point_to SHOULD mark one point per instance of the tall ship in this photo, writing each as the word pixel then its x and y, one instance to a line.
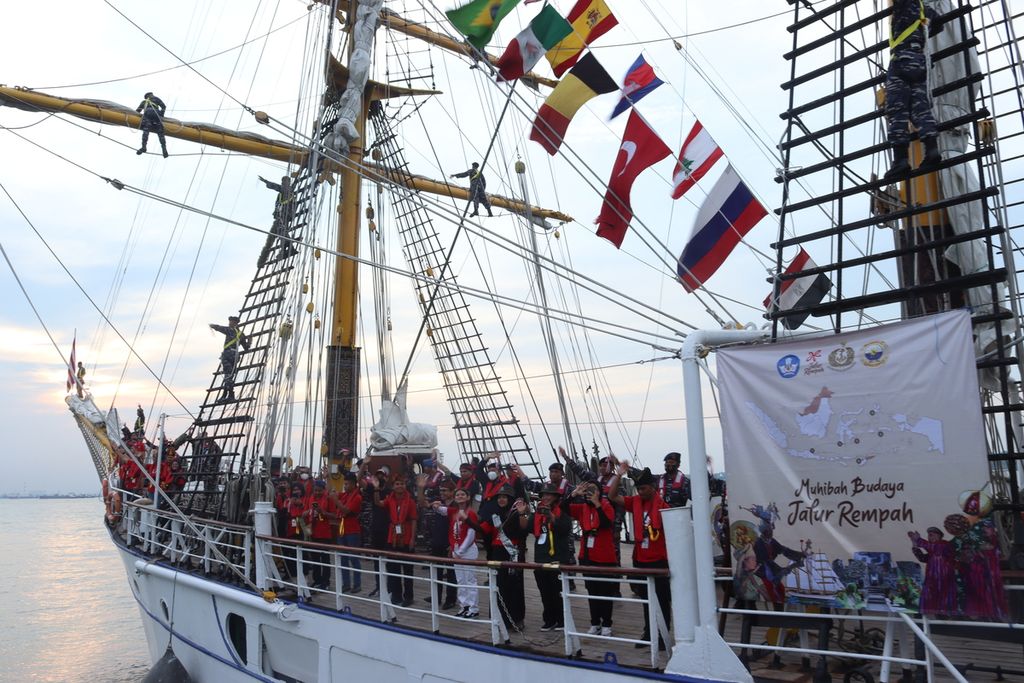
pixel 861 379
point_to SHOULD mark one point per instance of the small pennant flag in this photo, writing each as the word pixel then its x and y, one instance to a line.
pixel 641 148
pixel 727 214
pixel 479 19
pixel 639 82
pixel 72 364
pixel 590 20
pixel 585 81
pixel 698 155
pixel 527 48
pixel 799 292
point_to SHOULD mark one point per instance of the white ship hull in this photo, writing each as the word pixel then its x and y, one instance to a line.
pixel 192 613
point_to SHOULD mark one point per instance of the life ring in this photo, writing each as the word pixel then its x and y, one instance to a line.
pixel 112 500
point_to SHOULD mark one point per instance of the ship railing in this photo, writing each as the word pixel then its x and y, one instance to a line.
pixel 894 625
pixel 377 566
pixel 163 533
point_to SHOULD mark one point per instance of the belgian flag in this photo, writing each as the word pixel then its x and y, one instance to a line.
pixel 479 19
pixel 585 81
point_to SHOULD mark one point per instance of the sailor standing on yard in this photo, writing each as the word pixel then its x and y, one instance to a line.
pixel 906 84
pixel 233 338
pixel 152 109
pixel 477 187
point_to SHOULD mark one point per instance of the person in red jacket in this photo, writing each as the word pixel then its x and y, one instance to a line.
pixel 350 502
pixel 401 508
pixel 597 549
pixel 649 549
pixel 295 507
pixel 321 516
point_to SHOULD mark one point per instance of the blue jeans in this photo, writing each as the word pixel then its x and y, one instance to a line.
pixel 351 579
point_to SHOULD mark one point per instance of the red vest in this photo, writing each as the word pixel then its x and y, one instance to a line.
pixel 648 532
pixel 318 517
pixel 400 513
pixel 597 544
pixel 349 523
pixel 458 528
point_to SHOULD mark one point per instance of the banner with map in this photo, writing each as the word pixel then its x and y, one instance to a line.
pixel 858 473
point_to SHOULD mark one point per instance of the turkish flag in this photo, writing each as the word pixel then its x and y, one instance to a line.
pixel 641 148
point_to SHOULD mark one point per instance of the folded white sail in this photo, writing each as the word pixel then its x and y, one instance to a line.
pixel 393 429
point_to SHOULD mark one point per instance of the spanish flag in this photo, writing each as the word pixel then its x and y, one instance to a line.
pixel 585 81
pixel 590 20
pixel 479 19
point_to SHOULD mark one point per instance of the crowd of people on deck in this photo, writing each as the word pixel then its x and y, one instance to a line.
pixel 488 509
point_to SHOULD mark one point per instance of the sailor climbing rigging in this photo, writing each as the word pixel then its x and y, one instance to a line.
pixel 152 109
pixel 477 187
pixel 233 338
pixel 284 210
pixel 906 84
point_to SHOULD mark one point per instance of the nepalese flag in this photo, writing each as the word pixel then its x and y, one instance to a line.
pixel 590 20
pixel 526 49
pixel 698 155
pixel 585 81
pixel 640 81
pixel 727 214
pixel 479 19
pixel 72 364
pixel 641 148
pixel 799 292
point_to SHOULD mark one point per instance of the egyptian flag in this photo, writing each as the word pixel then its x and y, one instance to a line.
pixel 727 214
pixel 799 292
pixel 590 20
pixel 698 155
pixel 641 148
pixel 585 81
pixel 640 81
pixel 526 49
pixel 479 19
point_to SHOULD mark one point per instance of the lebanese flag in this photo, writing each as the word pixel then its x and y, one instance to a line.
pixel 72 364
pixel 546 30
pixel 641 148
pixel 727 214
pixel 799 292
pixel 698 155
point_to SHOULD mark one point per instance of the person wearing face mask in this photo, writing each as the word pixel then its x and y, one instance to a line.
pixel 488 473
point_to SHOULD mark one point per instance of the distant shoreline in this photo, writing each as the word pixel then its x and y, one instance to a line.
pixel 48 496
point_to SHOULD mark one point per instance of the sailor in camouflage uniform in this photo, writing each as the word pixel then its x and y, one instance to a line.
pixel 152 109
pixel 906 84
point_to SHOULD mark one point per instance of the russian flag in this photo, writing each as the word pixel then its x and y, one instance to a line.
pixel 799 292
pixel 727 214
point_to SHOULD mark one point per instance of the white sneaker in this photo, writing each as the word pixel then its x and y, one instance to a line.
pixel 606 630
pixel 594 630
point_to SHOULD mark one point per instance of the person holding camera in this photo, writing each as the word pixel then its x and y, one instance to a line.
pixel 551 527
pixel 597 549
pixel 321 515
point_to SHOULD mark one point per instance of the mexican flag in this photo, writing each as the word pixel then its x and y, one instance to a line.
pixel 478 19
pixel 546 30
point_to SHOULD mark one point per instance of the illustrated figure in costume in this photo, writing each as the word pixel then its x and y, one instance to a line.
pixel 939 591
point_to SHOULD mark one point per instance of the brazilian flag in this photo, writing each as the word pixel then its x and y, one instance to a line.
pixel 479 19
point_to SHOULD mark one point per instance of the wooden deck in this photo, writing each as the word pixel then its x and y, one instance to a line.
pixel 628 623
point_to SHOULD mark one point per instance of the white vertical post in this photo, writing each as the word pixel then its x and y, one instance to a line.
pixel 683 579
pixel 263 513
pixel 434 625
pixel 652 621
pixel 159 463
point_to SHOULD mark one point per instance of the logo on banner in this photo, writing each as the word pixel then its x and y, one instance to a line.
pixel 813 363
pixel 874 353
pixel 841 358
pixel 788 366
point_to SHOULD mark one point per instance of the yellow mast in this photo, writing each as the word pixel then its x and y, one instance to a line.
pixel 250 143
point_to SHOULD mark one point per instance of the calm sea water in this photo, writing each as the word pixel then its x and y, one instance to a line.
pixel 67 612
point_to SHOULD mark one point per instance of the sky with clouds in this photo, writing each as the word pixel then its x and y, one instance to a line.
pixel 162 274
